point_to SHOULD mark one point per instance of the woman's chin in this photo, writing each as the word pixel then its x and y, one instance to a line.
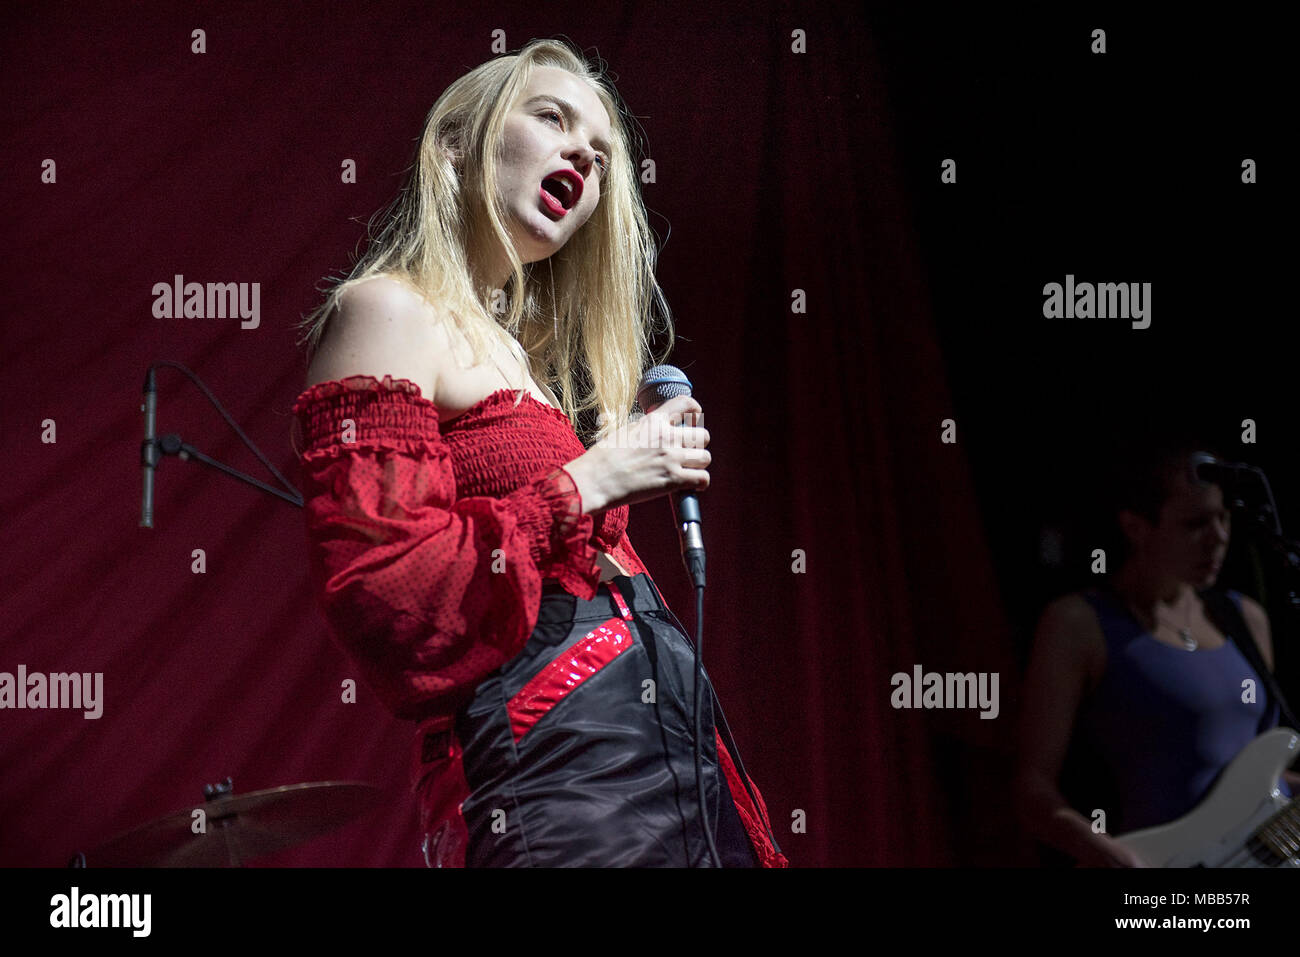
pixel 1206 575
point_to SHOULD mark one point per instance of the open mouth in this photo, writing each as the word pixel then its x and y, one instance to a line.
pixel 551 204
pixel 565 187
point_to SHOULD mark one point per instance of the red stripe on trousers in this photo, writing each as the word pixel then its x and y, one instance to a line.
pixel 558 679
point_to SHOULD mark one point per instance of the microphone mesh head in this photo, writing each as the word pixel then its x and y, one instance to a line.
pixel 660 384
pixel 1204 467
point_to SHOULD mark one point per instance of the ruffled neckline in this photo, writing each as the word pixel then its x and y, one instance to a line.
pixel 369 383
pixel 494 399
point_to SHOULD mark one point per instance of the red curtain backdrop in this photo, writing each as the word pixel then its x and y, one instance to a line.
pixel 778 176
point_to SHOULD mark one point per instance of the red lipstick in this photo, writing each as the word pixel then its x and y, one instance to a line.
pixel 552 203
pixel 575 183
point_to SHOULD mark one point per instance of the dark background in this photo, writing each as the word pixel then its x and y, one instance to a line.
pixel 1117 168
pixel 775 171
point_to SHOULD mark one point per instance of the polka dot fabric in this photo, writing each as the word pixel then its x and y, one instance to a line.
pixel 429 543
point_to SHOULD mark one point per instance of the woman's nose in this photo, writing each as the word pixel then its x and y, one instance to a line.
pixel 584 158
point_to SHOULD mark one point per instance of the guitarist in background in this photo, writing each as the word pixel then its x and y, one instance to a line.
pixel 1139 681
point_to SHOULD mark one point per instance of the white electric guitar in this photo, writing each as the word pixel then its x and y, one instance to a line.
pixel 1245 820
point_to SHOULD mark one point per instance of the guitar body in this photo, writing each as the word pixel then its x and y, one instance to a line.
pixel 1240 823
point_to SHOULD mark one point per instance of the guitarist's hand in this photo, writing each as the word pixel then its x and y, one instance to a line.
pixel 1103 851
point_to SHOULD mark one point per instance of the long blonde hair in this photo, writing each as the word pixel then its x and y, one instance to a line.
pixel 585 316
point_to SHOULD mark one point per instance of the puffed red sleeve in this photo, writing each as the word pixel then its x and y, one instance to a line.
pixel 427 593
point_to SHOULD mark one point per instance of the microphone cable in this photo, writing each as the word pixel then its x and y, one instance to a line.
pixel 699 773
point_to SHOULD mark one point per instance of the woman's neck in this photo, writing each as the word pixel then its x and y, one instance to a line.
pixel 1148 593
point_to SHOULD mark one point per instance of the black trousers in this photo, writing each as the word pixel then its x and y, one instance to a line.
pixel 580 750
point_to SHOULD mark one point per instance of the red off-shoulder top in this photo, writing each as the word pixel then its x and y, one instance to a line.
pixel 429 543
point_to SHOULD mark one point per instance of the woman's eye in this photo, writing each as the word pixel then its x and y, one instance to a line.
pixel 604 163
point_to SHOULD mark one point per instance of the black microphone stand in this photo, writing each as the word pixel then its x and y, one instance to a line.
pixel 152 450
pixel 1263 528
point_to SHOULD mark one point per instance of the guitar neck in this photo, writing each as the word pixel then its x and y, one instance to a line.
pixel 1273 842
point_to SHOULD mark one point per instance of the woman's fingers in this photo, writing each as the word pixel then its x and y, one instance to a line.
pixel 682 409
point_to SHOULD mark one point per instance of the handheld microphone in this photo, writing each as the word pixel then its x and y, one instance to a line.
pixel 658 385
pixel 148 449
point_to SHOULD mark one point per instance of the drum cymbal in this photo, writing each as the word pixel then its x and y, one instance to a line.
pixel 238 828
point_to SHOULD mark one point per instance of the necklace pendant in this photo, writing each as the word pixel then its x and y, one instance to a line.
pixel 1188 641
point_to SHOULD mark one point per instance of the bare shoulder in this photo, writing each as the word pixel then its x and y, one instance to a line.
pixel 1257 621
pixel 382 326
pixel 1070 613
pixel 1069 627
pixel 1253 610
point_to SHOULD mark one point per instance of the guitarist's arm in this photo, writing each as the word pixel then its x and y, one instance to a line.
pixel 1068 652
pixel 1257 621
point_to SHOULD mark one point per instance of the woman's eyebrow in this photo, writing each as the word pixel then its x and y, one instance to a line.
pixel 569 110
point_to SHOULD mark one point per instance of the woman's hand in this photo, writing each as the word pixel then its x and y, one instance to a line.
pixel 1103 851
pixel 649 457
